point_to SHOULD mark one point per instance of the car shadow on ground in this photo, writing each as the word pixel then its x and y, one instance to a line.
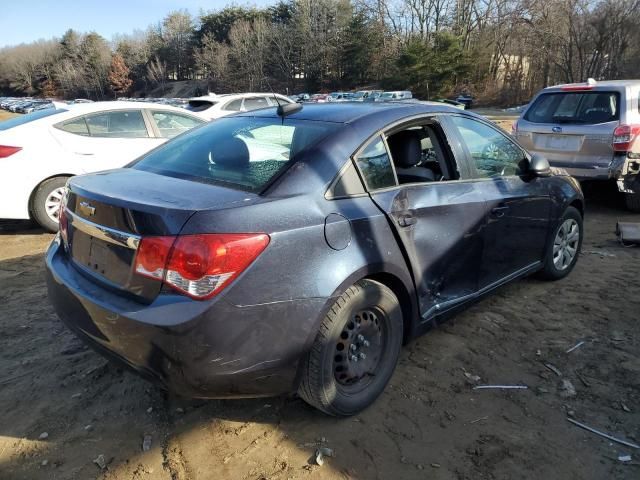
pixel 20 227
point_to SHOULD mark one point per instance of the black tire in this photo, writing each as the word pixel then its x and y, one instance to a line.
pixel 632 201
pixel 368 306
pixel 550 270
pixel 39 199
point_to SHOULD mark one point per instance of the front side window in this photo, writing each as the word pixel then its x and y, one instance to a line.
pixel 493 154
pixel 117 124
pixel 171 124
pixel 241 152
pixel 583 108
pixel 375 165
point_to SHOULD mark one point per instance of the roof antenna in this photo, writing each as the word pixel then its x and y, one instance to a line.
pixel 286 109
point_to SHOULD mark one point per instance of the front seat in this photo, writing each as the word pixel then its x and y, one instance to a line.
pixel 406 151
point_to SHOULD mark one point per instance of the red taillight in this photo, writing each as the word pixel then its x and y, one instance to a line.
pixel 199 266
pixel 624 136
pixel 152 256
pixel 576 88
pixel 514 127
pixel 6 151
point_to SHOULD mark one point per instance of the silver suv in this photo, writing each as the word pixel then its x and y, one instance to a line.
pixel 590 129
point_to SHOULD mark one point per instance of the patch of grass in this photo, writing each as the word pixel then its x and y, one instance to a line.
pixel 4 115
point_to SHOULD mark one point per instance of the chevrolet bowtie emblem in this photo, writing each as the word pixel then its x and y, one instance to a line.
pixel 87 209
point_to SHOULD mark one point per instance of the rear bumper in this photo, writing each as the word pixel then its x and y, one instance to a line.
pixel 626 172
pixel 208 349
pixel 583 171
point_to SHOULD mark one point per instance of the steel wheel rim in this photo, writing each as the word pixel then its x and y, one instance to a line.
pixel 52 204
pixel 360 349
pixel 565 245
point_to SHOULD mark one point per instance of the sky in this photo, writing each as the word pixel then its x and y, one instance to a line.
pixel 24 21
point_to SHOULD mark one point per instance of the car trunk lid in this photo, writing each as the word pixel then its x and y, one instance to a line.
pixel 109 212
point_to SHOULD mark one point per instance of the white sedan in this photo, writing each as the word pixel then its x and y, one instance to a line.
pixel 41 150
pixel 211 107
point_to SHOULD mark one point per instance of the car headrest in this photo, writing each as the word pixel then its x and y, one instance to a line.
pixel 405 148
pixel 603 101
pixel 231 152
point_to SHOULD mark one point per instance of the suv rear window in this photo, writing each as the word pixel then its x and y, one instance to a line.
pixel 200 105
pixel 242 152
pixel 585 108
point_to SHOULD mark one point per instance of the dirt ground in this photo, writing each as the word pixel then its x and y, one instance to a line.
pixel 63 406
pixel 4 115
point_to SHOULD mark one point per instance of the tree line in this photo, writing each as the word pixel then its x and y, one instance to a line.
pixel 499 50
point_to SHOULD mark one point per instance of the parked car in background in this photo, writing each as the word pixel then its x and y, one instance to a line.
pixel 211 107
pixel 41 150
pixel 338 97
pixel 591 129
pixel 395 95
pixel 466 99
pixel 319 98
pixel 453 103
pixel 263 254
pixel 364 95
pixel 302 97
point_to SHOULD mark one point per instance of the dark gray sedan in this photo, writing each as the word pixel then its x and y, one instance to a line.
pixel 297 249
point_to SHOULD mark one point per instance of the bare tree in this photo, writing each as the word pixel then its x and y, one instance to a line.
pixel 213 60
pixel 157 73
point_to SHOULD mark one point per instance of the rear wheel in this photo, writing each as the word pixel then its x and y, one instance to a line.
pixel 355 351
pixel 562 253
pixel 46 202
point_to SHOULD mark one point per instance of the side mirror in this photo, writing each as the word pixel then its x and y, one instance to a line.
pixel 539 165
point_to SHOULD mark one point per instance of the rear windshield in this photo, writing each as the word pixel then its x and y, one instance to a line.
pixel 200 105
pixel 30 117
pixel 242 152
pixel 586 108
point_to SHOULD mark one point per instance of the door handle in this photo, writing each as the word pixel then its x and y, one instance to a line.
pixel 406 220
pixel 499 212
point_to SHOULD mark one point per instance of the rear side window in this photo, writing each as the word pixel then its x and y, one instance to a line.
pixel 586 108
pixel 255 103
pixel 241 152
pixel 375 165
pixel 77 126
pixel 234 106
pixel 171 124
pixel 30 117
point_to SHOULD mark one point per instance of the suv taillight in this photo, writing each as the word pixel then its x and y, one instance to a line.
pixel 6 151
pixel 199 266
pixel 624 136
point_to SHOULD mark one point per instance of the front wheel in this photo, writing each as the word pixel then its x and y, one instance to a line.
pixel 355 351
pixel 562 253
pixel 46 202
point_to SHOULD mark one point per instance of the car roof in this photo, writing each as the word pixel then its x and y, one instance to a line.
pixel 218 97
pixel 603 83
pixel 352 112
pixel 84 108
